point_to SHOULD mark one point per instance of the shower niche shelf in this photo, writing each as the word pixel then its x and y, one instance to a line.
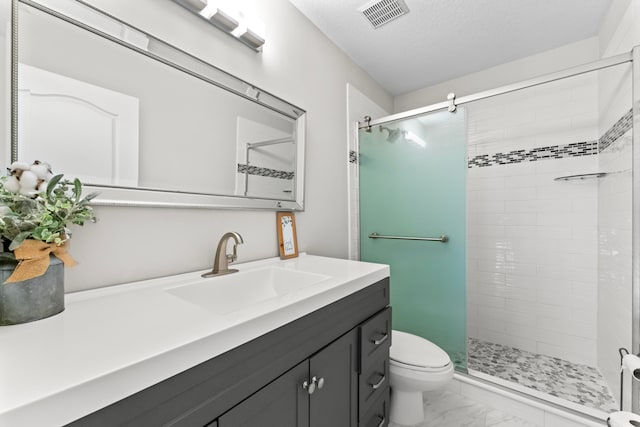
pixel 581 176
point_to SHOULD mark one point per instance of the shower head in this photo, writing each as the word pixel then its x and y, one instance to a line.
pixel 393 134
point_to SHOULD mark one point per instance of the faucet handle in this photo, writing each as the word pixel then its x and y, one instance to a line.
pixel 234 256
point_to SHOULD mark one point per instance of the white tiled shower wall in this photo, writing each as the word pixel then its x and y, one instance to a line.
pixel 532 241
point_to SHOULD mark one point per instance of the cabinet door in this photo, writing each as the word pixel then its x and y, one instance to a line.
pixel 282 403
pixel 335 368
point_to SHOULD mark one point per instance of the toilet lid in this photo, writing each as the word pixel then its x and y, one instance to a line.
pixel 416 351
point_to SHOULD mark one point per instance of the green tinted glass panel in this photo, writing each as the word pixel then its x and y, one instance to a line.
pixel 412 183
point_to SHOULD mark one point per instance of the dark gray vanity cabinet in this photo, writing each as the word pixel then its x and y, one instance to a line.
pixel 319 392
pixel 336 403
pixel 282 403
pixel 373 381
pixel 326 369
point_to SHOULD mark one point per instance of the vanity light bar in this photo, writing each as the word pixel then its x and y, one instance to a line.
pixel 193 5
pixel 252 39
pixel 223 20
pixel 229 20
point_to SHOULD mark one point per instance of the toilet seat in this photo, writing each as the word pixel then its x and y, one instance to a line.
pixel 416 353
pixel 397 365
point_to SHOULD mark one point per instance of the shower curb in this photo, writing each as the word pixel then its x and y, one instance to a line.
pixel 529 408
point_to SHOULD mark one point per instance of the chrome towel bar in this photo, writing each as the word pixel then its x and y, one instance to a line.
pixel 442 238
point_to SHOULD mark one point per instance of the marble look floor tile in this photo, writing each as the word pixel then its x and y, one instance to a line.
pixel 497 418
pixel 570 381
pixel 448 409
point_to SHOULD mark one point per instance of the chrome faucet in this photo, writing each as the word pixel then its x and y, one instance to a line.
pixel 222 259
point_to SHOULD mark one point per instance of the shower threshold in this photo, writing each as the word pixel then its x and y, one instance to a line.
pixel 541 375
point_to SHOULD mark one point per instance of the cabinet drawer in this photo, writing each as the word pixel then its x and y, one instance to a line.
pixel 378 414
pixel 375 337
pixel 373 382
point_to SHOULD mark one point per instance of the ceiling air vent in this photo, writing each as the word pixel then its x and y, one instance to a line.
pixel 379 12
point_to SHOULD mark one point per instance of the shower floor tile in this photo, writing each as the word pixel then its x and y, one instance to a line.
pixel 566 380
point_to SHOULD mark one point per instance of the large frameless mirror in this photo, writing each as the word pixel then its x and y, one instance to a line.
pixel 145 123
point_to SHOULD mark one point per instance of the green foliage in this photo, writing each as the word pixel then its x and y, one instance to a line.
pixel 46 216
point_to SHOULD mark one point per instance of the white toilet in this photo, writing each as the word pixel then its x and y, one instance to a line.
pixel 416 365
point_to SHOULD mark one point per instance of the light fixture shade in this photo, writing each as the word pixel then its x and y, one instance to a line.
pixel 194 5
pixel 224 15
pixel 251 38
pixel 224 20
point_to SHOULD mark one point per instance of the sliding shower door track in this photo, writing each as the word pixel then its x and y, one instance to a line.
pixel 536 81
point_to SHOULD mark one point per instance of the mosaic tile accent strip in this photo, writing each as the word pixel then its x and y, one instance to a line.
pixel 353 157
pixel 574 382
pixel 616 131
pixel 576 149
pixel 270 173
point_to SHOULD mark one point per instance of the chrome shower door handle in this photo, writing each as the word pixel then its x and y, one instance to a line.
pixel 442 238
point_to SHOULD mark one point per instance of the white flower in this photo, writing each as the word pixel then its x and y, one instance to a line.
pixel 12 184
pixel 4 210
pixel 42 170
pixel 19 166
pixel 42 186
pixel 28 182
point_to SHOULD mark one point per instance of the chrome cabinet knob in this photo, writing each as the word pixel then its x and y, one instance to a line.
pixel 310 387
pixel 316 383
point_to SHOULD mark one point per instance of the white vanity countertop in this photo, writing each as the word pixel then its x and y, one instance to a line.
pixel 112 342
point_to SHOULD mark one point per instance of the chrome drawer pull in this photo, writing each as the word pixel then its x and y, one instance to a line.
pixel 382 421
pixel 378 341
pixel 379 383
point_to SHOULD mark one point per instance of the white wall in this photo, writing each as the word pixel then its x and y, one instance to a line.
pixel 298 64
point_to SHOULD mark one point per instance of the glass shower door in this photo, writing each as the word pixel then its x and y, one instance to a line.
pixel 412 184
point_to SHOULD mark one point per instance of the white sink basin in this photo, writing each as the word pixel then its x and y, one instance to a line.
pixel 226 294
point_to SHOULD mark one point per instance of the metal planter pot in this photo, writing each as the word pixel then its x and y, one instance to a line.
pixel 32 299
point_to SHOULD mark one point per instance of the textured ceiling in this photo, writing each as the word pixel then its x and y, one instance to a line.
pixel 442 39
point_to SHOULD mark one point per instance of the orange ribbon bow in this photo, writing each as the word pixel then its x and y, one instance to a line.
pixel 33 259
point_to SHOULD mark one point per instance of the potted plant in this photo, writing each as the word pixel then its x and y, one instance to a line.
pixel 36 209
